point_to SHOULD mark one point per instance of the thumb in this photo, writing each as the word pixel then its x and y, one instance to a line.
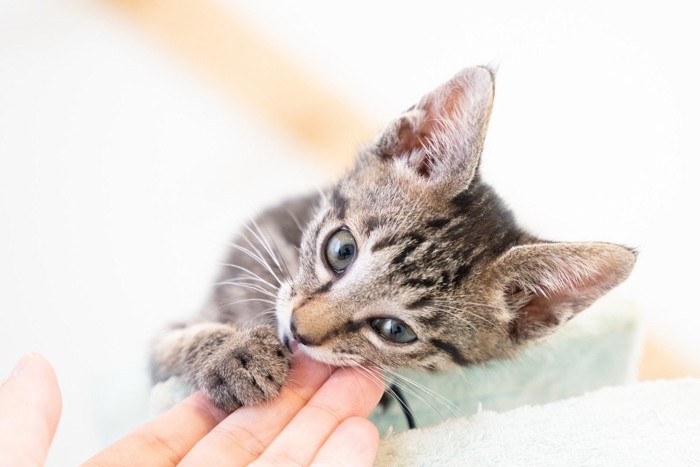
pixel 30 405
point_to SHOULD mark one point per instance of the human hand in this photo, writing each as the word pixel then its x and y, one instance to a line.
pixel 30 405
pixel 318 418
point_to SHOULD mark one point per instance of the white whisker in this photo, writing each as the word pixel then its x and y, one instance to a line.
pixel 295 220
pixel 429 392
pixel 277 258
pixel 262 241
pixel 248 285
pixel 254 276
pixel 246 300
pixel 405 383
pixel 257 259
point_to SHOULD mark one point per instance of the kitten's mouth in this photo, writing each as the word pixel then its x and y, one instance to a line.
pixel 291 343
pixel 316 353
pixel 294 345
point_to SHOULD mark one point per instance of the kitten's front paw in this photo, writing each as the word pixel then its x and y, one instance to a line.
pixel 245 370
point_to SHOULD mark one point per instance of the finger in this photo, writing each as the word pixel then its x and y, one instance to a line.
pixel 245 434
pixel 353 444
pixel 30 405
pixel 348 393
pixel 165 440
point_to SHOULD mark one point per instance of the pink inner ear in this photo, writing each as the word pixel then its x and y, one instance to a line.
pixel 539 309
pixel 415 132
pixel 545 284
pixel 412 140
pixel 537 314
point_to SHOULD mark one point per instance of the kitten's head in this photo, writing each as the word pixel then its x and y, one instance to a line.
pixel 412 261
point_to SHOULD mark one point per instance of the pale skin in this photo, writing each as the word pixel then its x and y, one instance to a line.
pixel 319 419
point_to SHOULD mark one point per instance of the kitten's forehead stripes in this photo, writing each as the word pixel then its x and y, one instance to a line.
pixel 437 223
pixel 451 350
pixel 421 302
pixel 319 291
pixel 371 224
pixel 319 226
pixel 462 272
pixel 414 240
pixel 431 320
pixel 414 237
pixel 339 204
pixel 382 243
pixel 446 251
pixel 419 282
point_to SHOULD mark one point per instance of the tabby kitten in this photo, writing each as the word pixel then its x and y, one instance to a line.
pixel 410 260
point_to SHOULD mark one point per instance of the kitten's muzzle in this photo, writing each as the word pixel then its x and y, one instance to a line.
pixel 311 324
pixel 295 334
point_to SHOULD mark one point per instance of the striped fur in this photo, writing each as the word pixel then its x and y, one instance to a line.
pixel 437 249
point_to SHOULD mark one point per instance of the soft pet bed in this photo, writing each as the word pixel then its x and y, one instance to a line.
pixel 646 424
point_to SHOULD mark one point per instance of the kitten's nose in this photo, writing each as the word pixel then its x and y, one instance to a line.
pixel 293 327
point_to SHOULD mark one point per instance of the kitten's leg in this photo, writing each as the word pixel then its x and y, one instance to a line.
pixel 233 367
pixel 238 363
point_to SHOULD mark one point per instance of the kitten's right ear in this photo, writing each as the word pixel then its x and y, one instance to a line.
pixel 441 137
pixel 546 284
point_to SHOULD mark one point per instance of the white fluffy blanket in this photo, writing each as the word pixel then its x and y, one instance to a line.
pixel 645 424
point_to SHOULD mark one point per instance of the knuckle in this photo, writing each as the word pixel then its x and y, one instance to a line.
pixel 327 410
pixel 163 446
pixel 241 437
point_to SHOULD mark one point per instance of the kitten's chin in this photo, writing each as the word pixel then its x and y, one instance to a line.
pixel 329 357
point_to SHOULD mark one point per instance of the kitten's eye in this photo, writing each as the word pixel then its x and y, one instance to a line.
pixel 340 250
pixel 394 330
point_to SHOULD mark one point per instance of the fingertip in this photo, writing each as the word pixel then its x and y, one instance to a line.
pixel 370 384
pixel 354 442
pixel 30 404
pixel 42 372
pixel 39 371
pixel 34 371
pixel 362 429
pixel 21 364
pixel 44 368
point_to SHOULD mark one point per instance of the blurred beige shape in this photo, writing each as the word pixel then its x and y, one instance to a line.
pixel 249 69
pixel 660 363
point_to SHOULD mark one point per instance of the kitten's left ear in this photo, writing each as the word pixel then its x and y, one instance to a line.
pixel 546 284
pixel 441 137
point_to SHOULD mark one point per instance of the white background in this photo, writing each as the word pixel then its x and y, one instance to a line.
pixel 122 174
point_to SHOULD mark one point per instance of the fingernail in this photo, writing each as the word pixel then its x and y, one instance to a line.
pixel 21 365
